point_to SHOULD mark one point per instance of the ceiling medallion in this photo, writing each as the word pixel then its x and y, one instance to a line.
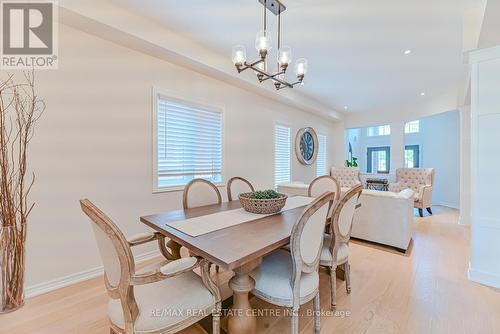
pixel 263 45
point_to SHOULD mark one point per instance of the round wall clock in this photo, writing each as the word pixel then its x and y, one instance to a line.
pixel 306 146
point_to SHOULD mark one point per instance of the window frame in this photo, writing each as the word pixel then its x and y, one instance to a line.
pixel 416 155
pixel 378 127
pixel 370 150
pixel 168 95
pixel 274 150
pixel 407 126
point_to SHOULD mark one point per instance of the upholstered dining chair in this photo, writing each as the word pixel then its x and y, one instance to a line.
pixel 291 279
pixel 139 298
pixel 237 185
pixel 198 192
pixel 335 250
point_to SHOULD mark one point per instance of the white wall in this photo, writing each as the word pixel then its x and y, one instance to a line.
pixel 439 141
pixel 95 141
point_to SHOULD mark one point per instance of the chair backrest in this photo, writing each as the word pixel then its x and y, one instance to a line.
pixel 343 215
pixel 117 259
pixel 237 185
pixel 200 192
pixel 306 239
pixel 323 184
pixel 347 176
pixel 413 178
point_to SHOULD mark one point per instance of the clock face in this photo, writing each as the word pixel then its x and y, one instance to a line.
pixel 306 146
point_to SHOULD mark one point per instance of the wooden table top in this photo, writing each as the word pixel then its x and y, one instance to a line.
pixel 233 246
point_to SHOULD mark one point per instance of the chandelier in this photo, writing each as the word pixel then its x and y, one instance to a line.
pixel 263 45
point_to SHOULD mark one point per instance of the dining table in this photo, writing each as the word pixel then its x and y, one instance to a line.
pixel 231 244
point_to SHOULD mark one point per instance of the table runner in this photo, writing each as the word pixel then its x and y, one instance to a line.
pixel 217 221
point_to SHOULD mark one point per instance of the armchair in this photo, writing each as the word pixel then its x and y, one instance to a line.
pixel 164 297
pixel 420 180
pixel 348 177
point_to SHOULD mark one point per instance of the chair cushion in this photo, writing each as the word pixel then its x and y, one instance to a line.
pixel 164 303
pixel 326 256
pixel 272 280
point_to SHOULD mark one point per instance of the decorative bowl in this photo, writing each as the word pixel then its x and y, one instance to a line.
pixel 262 206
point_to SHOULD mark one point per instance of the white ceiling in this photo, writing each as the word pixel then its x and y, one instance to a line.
pixel 354 47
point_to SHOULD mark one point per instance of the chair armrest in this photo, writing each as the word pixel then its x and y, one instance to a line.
pixel 142 238
pixel 426 194
pixel 171 269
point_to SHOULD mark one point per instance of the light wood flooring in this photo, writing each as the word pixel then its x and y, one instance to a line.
pixel 424 291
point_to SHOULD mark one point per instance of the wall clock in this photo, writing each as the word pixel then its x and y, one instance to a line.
pixel 306 146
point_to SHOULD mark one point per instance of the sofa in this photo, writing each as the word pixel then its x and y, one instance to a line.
pixel 385 218
pixel 420 180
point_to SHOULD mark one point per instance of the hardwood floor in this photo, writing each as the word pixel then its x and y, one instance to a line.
pixel 424 291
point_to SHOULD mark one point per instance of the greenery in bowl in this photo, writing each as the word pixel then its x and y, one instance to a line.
pixel 265 194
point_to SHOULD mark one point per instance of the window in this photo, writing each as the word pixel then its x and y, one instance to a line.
pixel 382 130
pixel 378 159
pixel 281 154
pixel 412 127
pixel 412 156
pixel 188 142
pixel 321 159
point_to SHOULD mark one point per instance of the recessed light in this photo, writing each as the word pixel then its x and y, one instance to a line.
pixel 408 51
pixel 422 93
pixel 345 108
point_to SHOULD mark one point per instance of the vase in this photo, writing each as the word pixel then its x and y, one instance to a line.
pixel 12 255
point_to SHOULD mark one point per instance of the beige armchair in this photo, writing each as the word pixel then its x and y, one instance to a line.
pixel 164 297
pixel 348 177
pixel 420 180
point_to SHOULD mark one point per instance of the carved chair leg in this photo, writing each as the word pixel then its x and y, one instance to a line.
pixel 347 269
pixel 317 314
pixel 295 321
pixel 429 210
pixel 333 288
pixel 420 212
pixel 216 320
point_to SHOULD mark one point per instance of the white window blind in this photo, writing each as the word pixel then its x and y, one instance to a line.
pixel 189 143
pixel 321 159
pixel 281 154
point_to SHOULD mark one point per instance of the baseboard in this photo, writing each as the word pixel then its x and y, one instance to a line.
pixel 44 287
pixel 449 205
pixel 484 278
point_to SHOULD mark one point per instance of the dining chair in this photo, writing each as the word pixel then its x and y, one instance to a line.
pixel 198 192
pixel 335 250
pixel 237 185
pixel 291 279
pixel 141 299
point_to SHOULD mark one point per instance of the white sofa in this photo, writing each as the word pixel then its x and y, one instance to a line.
pixel 385 218
pixel 294 188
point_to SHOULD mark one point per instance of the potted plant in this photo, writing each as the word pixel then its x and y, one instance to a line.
pixel 20 108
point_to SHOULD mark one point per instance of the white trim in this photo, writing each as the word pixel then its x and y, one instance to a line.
pixel 482 277
pixel 448 205
pixel 167 94
pixel 61 282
